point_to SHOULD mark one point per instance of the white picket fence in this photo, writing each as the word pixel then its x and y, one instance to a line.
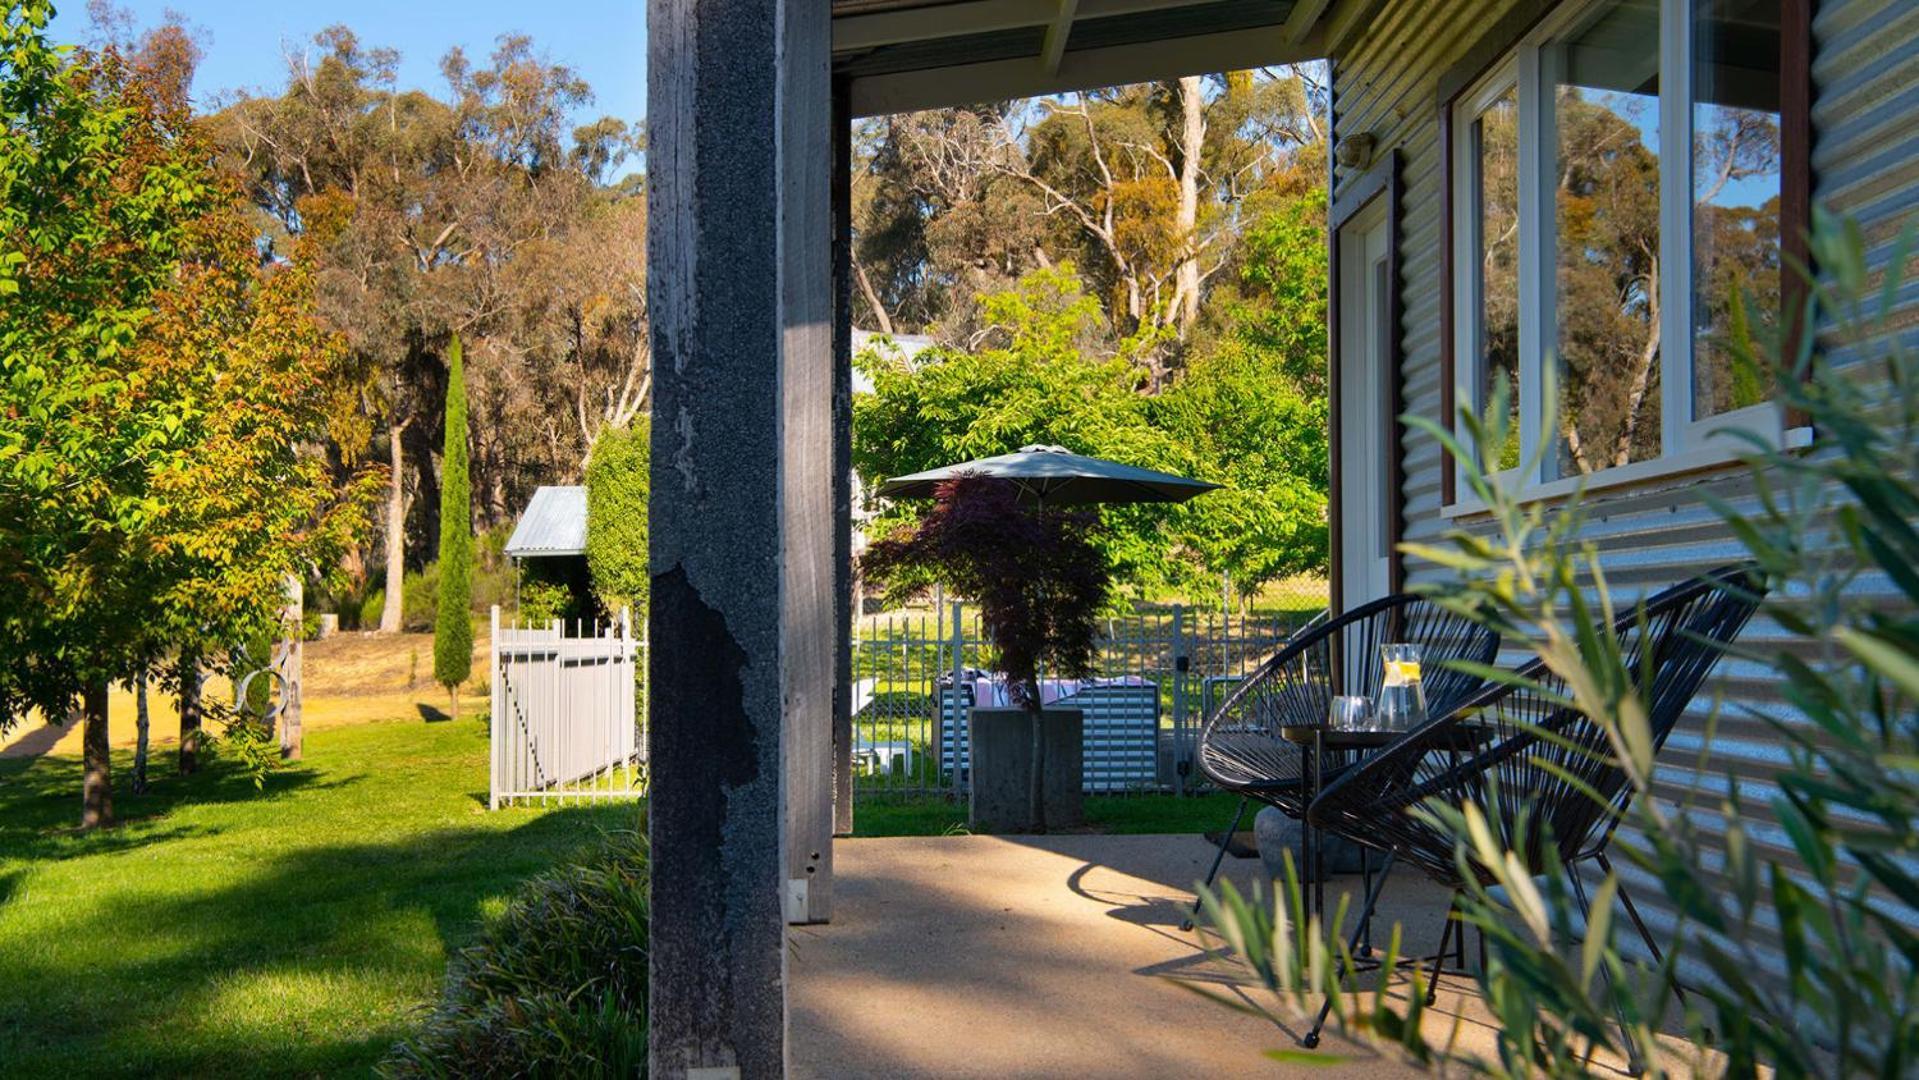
pixel 568 712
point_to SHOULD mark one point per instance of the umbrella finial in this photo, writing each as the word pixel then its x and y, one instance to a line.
pixel 1043 448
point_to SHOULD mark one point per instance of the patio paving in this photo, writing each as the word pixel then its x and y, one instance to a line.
pixel 1000 956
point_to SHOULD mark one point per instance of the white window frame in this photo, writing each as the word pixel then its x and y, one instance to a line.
pixel 1686 445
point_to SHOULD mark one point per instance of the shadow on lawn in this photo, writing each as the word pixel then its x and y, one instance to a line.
pixel 340 921
pixel 40 802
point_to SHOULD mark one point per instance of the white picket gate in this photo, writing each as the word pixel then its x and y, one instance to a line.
pixel 568 713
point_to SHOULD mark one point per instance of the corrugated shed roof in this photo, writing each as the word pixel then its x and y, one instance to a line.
pixel 554 523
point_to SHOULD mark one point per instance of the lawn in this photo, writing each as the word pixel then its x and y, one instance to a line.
pixel 938 815
pixel 224 931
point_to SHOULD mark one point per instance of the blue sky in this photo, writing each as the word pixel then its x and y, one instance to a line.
pixel 245 40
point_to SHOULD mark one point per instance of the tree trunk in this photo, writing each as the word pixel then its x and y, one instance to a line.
pixel 189 714
pixel 141 718
pixel 395 532
pixel 1192 143
pixel 96 788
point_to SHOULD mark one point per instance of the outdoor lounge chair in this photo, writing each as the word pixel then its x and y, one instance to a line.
pixel 1533 789
pixel 1240 746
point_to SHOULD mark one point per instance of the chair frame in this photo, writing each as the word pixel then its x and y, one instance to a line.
pixel 1682 632
pixel 1310 669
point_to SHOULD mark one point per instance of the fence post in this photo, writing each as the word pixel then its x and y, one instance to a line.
pixel 960 719
pixel 1180 664
pixel 496 689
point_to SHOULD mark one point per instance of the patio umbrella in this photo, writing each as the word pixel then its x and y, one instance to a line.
pixel 1051 475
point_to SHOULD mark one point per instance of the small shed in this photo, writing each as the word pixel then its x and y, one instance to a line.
pixel 549 544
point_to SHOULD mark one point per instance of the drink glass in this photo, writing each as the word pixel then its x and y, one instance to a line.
pixel 1402 697
pixel 1351 714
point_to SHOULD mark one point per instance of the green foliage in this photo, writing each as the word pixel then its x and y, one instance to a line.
pixel 419 598
pixel 556 986
pixel 543 601
pixel 1251 410
pixel 1248 412
pixel 371 607
pixel 453 615
pixel 1842 905
pixel 1045 381
pixel 617 483
pixel 158 383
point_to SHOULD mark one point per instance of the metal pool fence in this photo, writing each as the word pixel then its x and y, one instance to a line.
pixel 568 712
pixel 909 725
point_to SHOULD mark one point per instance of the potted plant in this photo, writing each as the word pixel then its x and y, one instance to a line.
pixel 1040 583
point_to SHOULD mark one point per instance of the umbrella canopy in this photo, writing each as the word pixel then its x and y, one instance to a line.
pixel 1052 475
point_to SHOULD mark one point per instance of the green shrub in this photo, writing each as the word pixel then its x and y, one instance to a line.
pixel 543 601
pixel 370 609
pixel 419 599
pixel 617 483
pixel 556 985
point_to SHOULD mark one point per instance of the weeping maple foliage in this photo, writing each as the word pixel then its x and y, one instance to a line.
pixel 1039 579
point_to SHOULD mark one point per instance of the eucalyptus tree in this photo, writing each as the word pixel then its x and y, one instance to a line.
pixel 479 212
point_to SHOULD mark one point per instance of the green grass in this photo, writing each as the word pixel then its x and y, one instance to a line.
pixel 222 931
pixel 936 815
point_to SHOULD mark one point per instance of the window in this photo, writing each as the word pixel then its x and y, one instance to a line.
pixel 1617 217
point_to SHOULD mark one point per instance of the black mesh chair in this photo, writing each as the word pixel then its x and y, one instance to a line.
pixel 1531 765
pixel 1240 745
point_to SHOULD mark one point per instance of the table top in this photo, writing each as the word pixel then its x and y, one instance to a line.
pixel 1458 736
pixel 1332 738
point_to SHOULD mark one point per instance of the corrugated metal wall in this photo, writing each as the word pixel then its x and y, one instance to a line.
pixel 1866 164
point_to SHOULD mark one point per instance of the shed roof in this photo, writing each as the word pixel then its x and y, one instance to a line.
pixel 901 55
pixel 554 523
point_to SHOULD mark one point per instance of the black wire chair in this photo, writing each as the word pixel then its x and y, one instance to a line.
pixel 1543 774
pixel 1241 748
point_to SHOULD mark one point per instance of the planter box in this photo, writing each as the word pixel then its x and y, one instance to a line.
pixel 1002 753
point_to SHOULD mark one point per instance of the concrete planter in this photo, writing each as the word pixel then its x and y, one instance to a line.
pixel 1002 751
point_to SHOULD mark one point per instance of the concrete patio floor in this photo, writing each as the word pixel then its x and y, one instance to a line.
pixel 1001 956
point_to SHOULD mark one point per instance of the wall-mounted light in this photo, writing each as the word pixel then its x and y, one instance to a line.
pixel 1355 151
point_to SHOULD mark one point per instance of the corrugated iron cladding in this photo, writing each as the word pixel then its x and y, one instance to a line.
pixel 1866 164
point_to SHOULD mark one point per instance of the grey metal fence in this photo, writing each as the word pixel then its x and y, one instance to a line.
pixel 917 674
pixel 569 707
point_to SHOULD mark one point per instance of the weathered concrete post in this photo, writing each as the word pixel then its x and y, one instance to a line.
pixel 741 663
pixel 843 599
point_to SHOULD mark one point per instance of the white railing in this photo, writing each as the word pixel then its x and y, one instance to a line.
pixel 568 718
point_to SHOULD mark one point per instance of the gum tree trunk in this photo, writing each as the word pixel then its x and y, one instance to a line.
pixel 395 530
pixel 96 787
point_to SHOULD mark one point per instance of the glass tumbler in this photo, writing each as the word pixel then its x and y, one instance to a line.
pixel 1351 714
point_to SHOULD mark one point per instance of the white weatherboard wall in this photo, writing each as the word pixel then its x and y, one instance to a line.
pixel 1865 163
pixel 566 722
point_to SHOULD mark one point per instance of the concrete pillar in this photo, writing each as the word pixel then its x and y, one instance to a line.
pixel 843 599
pixel 741 664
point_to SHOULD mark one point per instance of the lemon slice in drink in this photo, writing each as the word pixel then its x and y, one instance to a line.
pixel 1399 672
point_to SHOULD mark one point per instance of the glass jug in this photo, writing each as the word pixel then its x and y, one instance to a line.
pixel 1402 700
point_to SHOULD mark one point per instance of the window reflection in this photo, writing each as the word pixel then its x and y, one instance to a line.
pixel 1605 100
pixel 1735 211
pixel 1496 157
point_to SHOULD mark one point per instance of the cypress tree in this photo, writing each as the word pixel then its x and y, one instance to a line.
pixel 453 623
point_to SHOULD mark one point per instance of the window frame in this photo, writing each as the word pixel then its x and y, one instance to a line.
pixel 1686 445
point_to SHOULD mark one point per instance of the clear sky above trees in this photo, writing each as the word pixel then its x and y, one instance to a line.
pixel 244 41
